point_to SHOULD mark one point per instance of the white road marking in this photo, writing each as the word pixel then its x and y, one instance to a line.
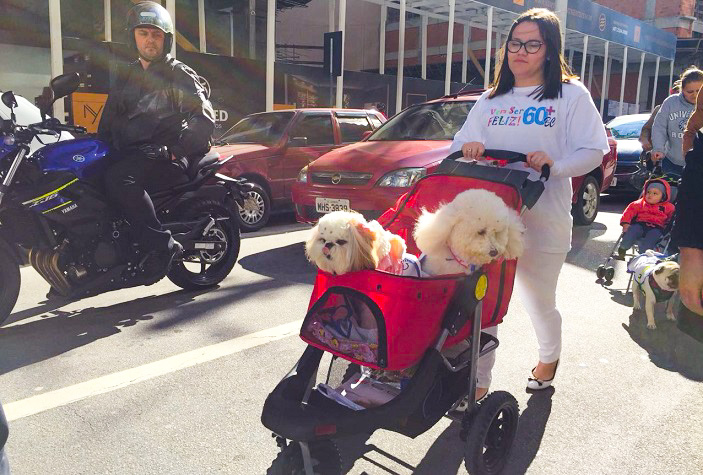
pixel 111 382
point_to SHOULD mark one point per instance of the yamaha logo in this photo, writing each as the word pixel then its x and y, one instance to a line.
pixel 601 22
pixel 336 178
pixel 79 158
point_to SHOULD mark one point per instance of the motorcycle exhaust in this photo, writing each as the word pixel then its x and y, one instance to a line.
pixel 46 263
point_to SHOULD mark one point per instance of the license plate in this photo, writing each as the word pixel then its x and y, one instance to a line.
pixel 327 205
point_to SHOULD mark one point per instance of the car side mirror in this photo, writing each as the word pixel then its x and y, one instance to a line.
pixel 298 142
pixel 366 134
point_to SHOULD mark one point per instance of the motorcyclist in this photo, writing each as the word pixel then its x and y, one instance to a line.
pixel 156 116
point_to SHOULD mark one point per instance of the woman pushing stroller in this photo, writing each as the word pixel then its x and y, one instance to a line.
pixel 645 220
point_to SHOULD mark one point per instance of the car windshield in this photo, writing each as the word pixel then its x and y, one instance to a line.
pixel 436 121
pixel 258 128
pixel 627 130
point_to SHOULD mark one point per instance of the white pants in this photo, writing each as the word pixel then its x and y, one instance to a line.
pixel 536 284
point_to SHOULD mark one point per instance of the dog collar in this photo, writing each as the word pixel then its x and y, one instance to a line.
pixel 659 293
pixel 461 262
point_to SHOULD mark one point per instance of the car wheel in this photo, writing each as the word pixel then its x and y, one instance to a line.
pixel 256 210
pixel 587 201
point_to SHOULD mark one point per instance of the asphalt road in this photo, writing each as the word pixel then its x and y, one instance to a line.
pixel 155 380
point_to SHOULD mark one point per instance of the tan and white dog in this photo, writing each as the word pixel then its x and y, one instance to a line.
pixel 474 229
pixel 655 280
pixel 343 241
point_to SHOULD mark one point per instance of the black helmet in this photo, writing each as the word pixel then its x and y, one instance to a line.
pixel 150 14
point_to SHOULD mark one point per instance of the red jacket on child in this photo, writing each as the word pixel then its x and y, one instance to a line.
pixel 656 215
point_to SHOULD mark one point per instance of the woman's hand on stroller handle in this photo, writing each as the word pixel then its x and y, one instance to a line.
pixel 538 158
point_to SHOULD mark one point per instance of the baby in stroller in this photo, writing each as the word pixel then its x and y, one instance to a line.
pixel 645 219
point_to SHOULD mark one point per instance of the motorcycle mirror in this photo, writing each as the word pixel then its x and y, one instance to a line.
pixel 8 98
pixel 63 85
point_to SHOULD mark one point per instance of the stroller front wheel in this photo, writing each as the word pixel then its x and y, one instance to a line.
pixel 491 434
pixel 323 453
pixel 600 272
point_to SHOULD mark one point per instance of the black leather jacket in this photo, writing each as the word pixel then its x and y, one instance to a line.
pixel 162 105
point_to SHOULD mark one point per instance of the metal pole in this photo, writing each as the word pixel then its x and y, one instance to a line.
pixel 331 11
pixel 489 38
pixel 622 81
pixel 382 42
pixel 497 54
pixel 603 91
pixel 423 47
pixel 656 80
pixel 270 51
pixel 639 81
pixel 342 28
pixel 107 11
pixel 590 71
pixel 561 8
pixel 171 7
pixel 252 28
pixel 450 49
pixel 231 31
pixel 201 26
pixel 571 58
pixel 56 52
pixel 671 75
pixel 401 60
pixel 465 52
pixel 583 58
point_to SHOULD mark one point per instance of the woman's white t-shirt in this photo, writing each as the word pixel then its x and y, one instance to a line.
pixel 565 128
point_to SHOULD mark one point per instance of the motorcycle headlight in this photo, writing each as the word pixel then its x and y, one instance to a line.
pixel 402 178
pixel 303 175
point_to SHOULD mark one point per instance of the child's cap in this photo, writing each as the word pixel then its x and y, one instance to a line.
pixel 657 186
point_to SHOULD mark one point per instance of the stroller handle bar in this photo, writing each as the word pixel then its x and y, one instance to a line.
pixel 507 155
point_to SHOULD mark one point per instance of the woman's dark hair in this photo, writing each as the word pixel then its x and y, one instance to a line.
pixel 556 70
pixel 691 74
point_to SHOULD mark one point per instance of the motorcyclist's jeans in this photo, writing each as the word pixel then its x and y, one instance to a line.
pixel 126 182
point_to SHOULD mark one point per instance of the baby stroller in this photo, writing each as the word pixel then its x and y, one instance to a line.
pixel 606 271
pixel 417 318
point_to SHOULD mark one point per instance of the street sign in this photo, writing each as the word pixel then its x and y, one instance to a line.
pixel 333 53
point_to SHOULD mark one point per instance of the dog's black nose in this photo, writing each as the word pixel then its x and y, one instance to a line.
pixel 493 253
pixel 329 245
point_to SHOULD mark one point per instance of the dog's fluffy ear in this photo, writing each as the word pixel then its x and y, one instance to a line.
pixel 361 247
pixel 432 229
pixel 312 237
pixel 398 247
pixel 516 231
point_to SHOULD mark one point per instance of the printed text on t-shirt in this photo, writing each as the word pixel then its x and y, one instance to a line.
pixel 514 116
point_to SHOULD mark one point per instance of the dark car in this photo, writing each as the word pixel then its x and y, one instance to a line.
pixel 369 176
pixel 270 148
pixel 626 129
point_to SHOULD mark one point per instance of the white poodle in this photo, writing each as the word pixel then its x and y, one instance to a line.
pixel 343 241
pixel 474 229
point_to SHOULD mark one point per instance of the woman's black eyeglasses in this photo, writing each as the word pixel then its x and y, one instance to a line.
pixel 531 46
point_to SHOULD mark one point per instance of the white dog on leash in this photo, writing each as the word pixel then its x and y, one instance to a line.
pixel 474 229
pixel 656 280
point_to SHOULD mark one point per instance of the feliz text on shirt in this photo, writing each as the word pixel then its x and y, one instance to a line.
pixel 514 116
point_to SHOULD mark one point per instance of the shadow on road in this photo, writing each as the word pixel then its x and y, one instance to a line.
pixel 668 347
pixel 533 422
pixel 287 263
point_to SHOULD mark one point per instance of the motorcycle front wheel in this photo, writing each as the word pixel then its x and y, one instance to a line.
pixel 199 269
pixel 9 284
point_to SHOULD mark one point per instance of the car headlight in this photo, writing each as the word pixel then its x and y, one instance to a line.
pixel 303 175
pixel 402 178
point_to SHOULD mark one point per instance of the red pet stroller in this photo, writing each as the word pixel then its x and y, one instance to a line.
pixel 416 321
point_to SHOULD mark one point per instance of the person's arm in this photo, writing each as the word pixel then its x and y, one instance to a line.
pixel 646 132
pixel 659 129
pixel 197 110
pixel 695 122
pixel 586 141
pixel 107 117
pixel 629 214
pixel 472 130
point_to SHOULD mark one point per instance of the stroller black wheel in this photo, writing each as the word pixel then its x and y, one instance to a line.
pixel 491 435
pixel 324 454
pixel 609 273
pixel 600 272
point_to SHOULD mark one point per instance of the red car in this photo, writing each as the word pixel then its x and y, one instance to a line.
pixel 369 176
pixel 270 148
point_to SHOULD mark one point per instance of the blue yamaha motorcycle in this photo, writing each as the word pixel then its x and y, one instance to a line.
pixel 54 214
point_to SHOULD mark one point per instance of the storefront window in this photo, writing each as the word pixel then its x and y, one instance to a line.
pixel 84 19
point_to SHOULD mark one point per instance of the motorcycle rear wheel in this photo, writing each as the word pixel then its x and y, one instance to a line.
pixel 9 284
pixel 214 268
